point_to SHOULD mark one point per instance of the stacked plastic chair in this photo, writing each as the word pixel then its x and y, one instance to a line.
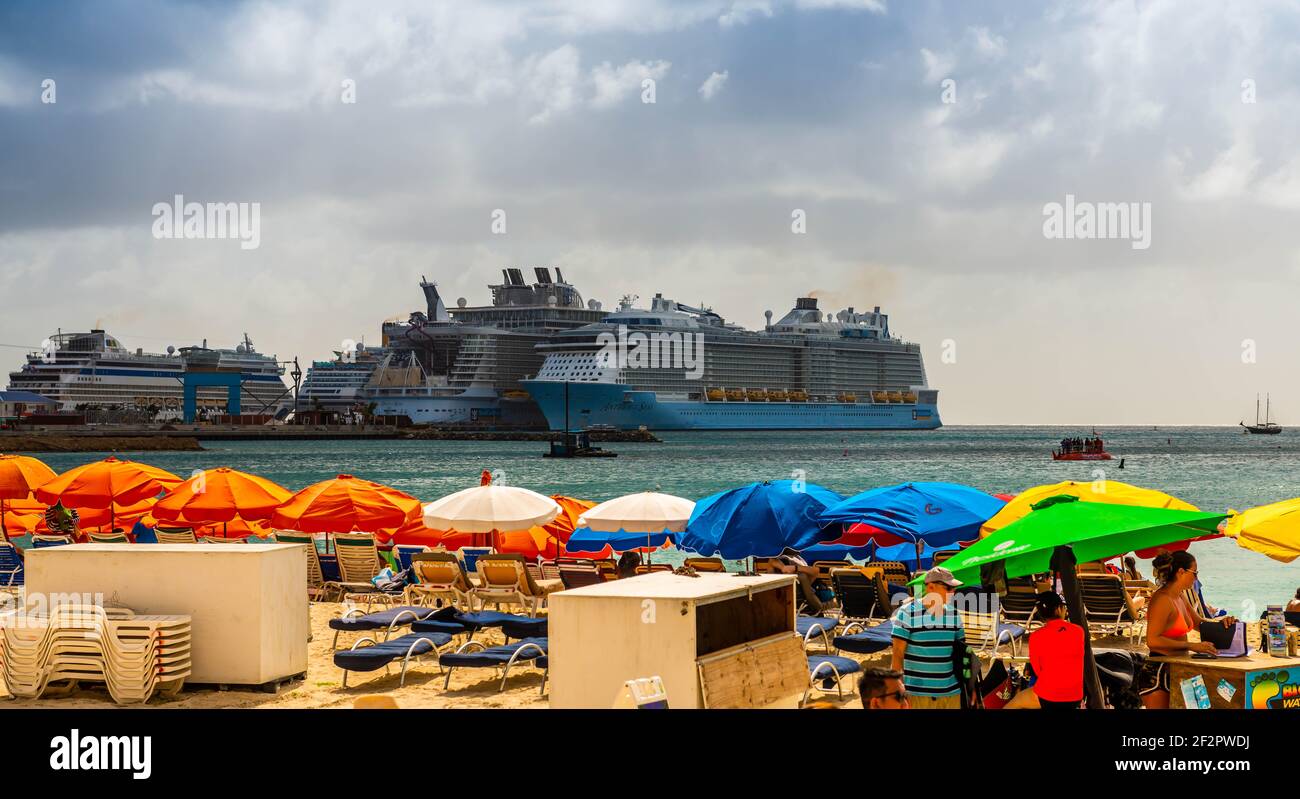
pixel 134 656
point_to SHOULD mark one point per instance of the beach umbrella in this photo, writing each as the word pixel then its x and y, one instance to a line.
pixel 19 477
pixel 926 514
pixel 546 541
pixel 1111 491
pixel 758 520
pixel 346 504
pixel 617 523
pixel 1272 530
pixel 23 516
pixel 908 555
pixel 491 509
pixel 107 484
pixel 818 552
pixel 220 496
pixel 1059 532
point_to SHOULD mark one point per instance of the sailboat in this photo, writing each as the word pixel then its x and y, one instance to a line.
pixel 1268 427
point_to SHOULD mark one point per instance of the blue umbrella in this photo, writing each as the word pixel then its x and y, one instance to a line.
pixel 906 553
pixel 938 514
pixel 585 539
pixel 836 552
pixel 759 519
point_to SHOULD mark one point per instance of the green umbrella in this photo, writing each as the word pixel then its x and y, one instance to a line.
pixel 1095 530
pixel 1062 531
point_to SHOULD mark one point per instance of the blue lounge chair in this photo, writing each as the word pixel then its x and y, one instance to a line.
pixel 827 672
pixel 357 620
pixel 863 640
pixel 11 566
pixel 404 552
pixel 477 655
pixel 811 627
pixel 43 541
pixel 514 626
pixel 381 653
pixel 471 556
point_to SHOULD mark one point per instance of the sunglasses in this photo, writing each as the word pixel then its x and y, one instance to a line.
pixel 898 696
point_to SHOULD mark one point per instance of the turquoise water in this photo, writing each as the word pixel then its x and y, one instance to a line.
pixel 1214 468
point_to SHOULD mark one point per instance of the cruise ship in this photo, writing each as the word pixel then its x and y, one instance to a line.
pixel 466 364
pixel 675 367
pixel 82 371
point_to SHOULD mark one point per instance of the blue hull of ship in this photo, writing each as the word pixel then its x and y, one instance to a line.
pixel 614 405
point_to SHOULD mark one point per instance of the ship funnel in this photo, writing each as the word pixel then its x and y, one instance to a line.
pixel 805 303
pixel 437 312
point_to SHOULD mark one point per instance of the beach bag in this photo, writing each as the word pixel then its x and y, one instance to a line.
pixel 998 686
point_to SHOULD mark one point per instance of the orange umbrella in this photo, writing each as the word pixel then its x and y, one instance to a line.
pixel 19 476
pixel 119 515
pixel 106 484
pixel 23 515
pixel 221 495
pixel 347 504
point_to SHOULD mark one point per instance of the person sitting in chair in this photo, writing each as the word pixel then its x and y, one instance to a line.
pixel 791 562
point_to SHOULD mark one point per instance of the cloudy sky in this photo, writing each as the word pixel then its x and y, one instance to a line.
pixel 921 195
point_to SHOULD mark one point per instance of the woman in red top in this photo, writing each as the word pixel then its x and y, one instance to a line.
pixel 1056 656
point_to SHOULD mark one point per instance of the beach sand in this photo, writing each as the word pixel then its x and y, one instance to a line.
pixel 323 687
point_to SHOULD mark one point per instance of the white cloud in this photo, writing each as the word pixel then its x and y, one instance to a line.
pixel 713 84
pixel 937 65
pixel 874 6
pixel 553 82
pixel 742 11
pixel 613 84
pixel 988 44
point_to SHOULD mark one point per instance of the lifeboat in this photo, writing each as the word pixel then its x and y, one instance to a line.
pixel 845 396
pixel 895 396
pixel 1081 456
pixel 777 395
pixel 756 395
pixel 516 395
pixel 715 394
pixel 798 396
pixel 880 396
pixel 735 395
pixel 909 396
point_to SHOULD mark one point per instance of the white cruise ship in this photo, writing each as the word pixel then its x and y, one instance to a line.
pixel 93 370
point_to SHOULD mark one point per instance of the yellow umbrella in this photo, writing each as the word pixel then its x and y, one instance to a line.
pixel 1111 491
pixel 1272 530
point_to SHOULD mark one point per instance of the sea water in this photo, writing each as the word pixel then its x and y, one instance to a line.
pixel 1214 468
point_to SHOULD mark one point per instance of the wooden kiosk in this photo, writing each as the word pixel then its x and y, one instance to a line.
pixel 1237 672
pixel 716 640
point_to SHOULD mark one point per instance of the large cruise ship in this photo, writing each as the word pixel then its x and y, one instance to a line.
pixel 93 370
pixel 674 367
pixel 466 364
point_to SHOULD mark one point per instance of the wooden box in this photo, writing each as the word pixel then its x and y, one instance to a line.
pixel 716 640
pixel 248 602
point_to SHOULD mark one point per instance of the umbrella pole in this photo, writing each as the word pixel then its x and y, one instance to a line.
pixel 1064 563
pixel 4 531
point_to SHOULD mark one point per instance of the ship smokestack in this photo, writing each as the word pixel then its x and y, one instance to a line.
pixel 805 303
pixel 437 312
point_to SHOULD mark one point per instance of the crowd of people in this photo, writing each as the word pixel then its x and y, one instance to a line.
pixel 923 672
pixel 1089 445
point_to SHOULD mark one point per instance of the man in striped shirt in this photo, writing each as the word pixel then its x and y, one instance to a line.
pixel 926 633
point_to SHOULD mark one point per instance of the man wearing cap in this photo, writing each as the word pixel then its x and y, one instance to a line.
pixel 927 633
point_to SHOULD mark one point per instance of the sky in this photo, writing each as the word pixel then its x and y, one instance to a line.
pixel 923 145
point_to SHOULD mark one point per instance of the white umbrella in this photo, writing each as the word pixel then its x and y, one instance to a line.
pixel 645 512
pixel 484 509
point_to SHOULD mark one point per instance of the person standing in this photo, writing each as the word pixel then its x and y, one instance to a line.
pixel 927 636
pixel 1056 656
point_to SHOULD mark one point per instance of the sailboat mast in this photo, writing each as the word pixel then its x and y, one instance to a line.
pixel 1256 409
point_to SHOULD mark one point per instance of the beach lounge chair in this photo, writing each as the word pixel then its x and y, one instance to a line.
pixel 824 568
pixel 471 556
pixel 1019 606
pixel 812 628
pixel 985 632
pixel 765 565
pixel 894 571
pixel 404 553
pixel 827 673
pixel 116 537
pixel 384 622
pixel 42 541
pixel 862 594
pixel 11 566
pixel 608 568
pixel 940 557
pixel 579 572
pixel 175 535
pixel 504 579
pixel 217 539
pixel 470 622
pixel 477 655
pixel 706 564
pixel 862 639
pixel 358 558
pixel 550 571
pixel 441 578
pixel 648 568
pixel 380 654
pixel 315 581
pixel 1109 607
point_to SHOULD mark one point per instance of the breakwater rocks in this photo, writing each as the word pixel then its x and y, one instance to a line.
pixel 59 443
pixel 431 434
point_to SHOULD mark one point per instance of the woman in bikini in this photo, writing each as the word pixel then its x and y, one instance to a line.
pixel 1170 618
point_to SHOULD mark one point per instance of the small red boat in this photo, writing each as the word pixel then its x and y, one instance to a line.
pixel 1057 455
